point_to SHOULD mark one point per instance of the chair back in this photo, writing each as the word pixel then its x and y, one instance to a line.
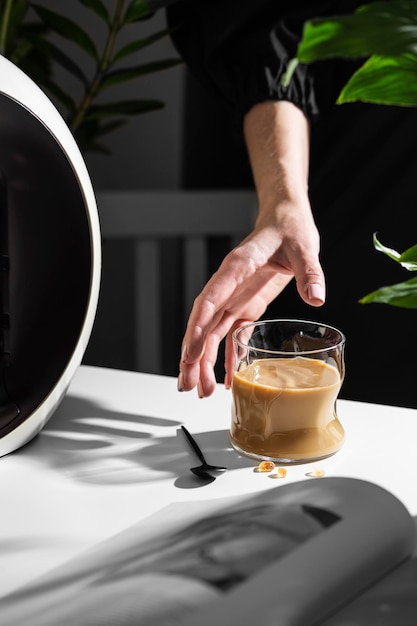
pixel 150 219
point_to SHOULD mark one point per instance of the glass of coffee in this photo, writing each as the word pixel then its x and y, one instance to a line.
pixel 286 380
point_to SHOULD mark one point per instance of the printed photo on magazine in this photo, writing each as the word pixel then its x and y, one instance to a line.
pixel 301 554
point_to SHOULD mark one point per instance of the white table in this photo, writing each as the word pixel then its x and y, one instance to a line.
pixel 113 454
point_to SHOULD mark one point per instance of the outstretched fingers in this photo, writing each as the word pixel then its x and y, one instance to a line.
pixel 309 276
pixel 248 303
pixel 208 310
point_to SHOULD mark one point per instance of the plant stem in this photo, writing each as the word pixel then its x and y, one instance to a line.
pixel 5 25
pixel 102 66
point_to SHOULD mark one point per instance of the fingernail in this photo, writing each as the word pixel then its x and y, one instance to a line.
pixel 184 353
pixel 200 390
pixel 180 382
pixel 316 292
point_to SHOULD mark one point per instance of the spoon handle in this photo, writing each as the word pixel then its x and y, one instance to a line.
pixel 194 444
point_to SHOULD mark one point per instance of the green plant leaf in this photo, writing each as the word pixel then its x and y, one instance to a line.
pixel 125 107
pixel 25 44
pixel 67 29
pixel 18 13
pixel 383 80
pixel 62 97
pixel 382 28
pixel 29 29
pixel 19 52
pixel 30 54
pixel 52 51
pixel 408 258
pixel 390 252
pixel 32 45
pixel 123 75
pixel 38 69
pixel 99 8
pixel 88 133
pixel 137 10
pixel 401 295
pixel 138 44
pixel 105 129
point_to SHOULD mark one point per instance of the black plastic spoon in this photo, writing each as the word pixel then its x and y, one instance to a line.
pixel 205 470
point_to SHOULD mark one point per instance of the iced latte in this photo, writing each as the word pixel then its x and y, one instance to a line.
pixel 284 406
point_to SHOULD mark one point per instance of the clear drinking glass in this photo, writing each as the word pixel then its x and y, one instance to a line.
pixel 286 380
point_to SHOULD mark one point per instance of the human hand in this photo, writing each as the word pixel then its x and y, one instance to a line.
pixel 284 244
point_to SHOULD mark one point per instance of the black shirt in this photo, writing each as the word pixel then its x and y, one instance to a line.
pixel 241 48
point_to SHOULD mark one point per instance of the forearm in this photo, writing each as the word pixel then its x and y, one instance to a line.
pixel 277 139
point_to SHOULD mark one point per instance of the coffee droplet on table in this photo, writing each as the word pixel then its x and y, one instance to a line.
pixel 280 473
pixel 316 473
pixel 265 466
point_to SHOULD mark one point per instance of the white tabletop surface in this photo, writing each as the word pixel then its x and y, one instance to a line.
pixel 113 454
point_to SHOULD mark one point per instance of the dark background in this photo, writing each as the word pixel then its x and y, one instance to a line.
pixel 362 180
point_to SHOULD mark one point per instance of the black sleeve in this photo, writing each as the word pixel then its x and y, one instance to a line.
pixel 241 48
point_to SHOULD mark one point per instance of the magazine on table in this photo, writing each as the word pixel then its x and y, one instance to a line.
pixel 333 551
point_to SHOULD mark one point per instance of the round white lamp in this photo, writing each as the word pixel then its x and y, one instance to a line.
pixel 50 258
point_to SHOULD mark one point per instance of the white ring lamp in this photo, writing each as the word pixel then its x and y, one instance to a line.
pixel 50 258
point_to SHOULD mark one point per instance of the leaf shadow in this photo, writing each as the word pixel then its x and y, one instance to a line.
pixel 92 444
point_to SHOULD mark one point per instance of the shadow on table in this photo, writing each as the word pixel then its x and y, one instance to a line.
pixel 96 445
